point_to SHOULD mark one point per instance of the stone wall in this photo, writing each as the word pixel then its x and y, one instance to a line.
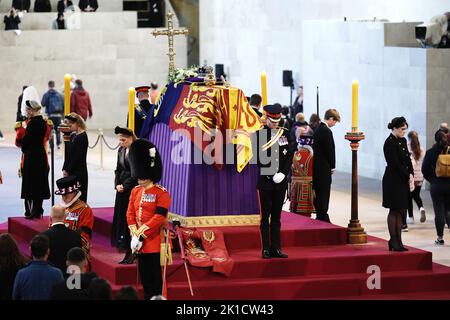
pixel 108 62
pixel 394 81
pixel 254 35
pixel 438 90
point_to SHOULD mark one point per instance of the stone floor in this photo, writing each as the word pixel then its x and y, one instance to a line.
pixel 101 193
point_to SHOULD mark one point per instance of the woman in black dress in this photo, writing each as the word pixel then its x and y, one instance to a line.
pixel 35 168
pixel 397 175
pixel 123 183
pixel 75 160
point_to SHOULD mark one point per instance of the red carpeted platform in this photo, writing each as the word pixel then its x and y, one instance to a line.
pixel 320 265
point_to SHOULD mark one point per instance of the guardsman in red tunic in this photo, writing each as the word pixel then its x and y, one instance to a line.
pixel 79 216
pixel 147 214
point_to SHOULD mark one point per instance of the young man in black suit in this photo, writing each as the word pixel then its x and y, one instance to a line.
pixel 62 239
pixel 324 163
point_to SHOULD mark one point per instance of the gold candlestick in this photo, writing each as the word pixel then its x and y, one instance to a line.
pixel 355 233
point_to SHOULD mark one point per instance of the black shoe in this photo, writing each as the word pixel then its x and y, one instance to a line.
pixel 128 258
pixel 439 242
pixel 30 217
pixel 278 254
pixel 396 248
pixel 266 254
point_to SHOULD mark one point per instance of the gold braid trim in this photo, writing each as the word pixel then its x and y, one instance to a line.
pixel 133 229
pixel 141 230
pixel 273 140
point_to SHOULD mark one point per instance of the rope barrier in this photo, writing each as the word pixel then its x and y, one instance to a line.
pixel 107 145
pixel 96 142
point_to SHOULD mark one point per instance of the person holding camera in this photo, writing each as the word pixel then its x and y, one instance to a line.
pixel 12 20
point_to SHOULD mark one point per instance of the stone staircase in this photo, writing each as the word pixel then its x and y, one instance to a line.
pixel 109 53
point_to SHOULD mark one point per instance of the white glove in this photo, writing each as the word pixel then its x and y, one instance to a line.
pixel 136 245
pixel 278 177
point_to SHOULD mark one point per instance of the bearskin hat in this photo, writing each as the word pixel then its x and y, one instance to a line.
pixel 145 160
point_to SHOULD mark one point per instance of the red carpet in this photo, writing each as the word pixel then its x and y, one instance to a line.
pixel 320 265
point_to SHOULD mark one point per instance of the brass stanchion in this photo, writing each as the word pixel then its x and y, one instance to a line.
pixel 100 132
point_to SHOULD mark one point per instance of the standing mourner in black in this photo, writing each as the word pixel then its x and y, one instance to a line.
pixel 62 239
pixel 123 183
pixel 21 5
pixel 75 162
pixel 324 163
pixel 42 6
pixel 35 166
pixel 275 152
pixel 439 186
pixel 398 172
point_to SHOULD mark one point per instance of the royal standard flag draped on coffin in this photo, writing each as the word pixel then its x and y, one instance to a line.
pixel 207 108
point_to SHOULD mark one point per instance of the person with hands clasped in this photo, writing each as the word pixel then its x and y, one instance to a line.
pixel 147 214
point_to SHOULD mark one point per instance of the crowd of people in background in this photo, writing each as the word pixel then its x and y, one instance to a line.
pixel 38 278
pixel 20 7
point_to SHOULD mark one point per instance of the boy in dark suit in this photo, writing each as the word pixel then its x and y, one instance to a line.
pixel 62 239
pixel 324 163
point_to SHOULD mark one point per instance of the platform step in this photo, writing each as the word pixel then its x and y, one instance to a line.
pixel 316 287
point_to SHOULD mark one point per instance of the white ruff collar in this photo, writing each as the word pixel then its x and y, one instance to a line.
pixel 67 205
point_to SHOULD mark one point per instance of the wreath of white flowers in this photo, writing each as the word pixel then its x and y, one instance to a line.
pixel 179 75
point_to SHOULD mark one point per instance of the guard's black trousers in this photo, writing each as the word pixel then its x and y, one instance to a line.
pixel 271 203
pixel 150 271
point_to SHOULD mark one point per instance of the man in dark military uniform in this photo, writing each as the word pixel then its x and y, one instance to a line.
pixel 275 151
pixel 141 110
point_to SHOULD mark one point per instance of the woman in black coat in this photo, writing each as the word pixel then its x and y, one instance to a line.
pixel 439 186
pixel 398 172
pixel 35 168
pixel 123 183
pixel 75 161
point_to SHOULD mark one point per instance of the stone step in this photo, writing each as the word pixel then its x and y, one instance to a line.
pixel 103 5
pixel 83 21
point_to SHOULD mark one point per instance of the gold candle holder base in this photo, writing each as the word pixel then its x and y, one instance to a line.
pixel 355 233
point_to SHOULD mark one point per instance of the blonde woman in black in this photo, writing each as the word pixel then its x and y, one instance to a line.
pixel 75 163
